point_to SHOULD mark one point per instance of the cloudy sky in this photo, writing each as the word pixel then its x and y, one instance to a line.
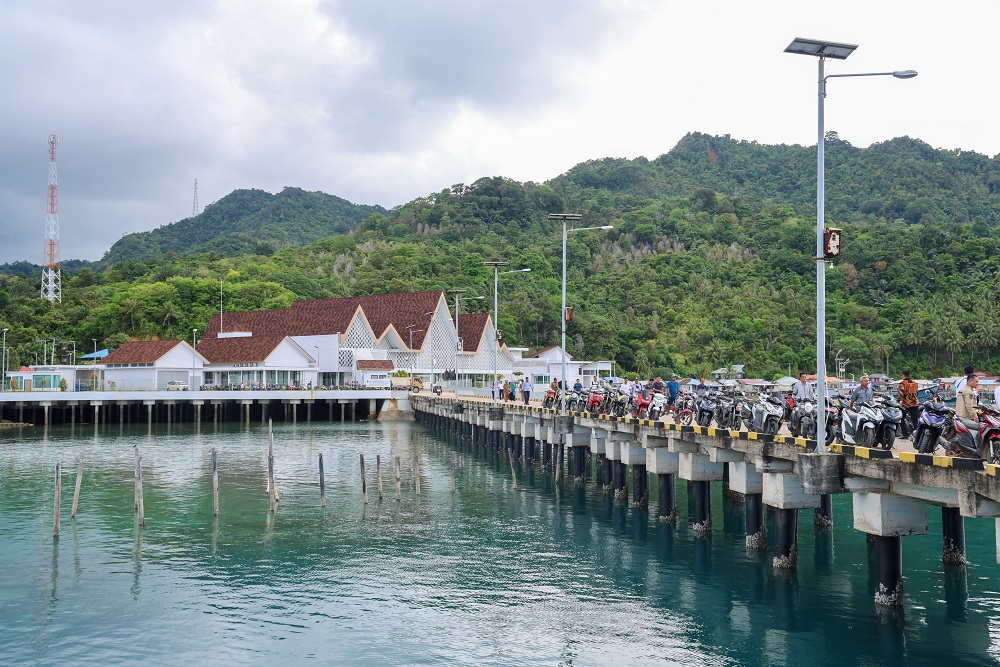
pixel 381 101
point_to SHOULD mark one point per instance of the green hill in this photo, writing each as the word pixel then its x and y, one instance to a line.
pixel 245 220
pixel 710 261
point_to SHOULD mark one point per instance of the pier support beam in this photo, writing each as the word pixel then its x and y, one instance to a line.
pixel 633 454
pixel 888 570
pixel 665 465
pixel 888 517
pixel 745 479
pixel 701 507
pixel 698 469
pixel 786 528
pixel 784 493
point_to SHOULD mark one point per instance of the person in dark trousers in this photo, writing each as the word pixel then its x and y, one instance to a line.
pixel 908 400
pixel 526 389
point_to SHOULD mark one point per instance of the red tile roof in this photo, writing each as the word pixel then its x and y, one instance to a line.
pixel 239 350
pixel 546 349
pixel 375 365
pixel 141 352
pixel 471 327
pixel 315 317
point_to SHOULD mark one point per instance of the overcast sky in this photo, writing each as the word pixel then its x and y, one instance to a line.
pixel 381 101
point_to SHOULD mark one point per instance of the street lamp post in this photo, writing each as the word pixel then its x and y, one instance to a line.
pixel 496 316
pixel 458 340
pixel 822 50
pixel 194 345
pixel 3 386
pixel 412 356
pixel 572 217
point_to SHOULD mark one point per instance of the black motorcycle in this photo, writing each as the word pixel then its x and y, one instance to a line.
pixel 706 410
pixel 892 416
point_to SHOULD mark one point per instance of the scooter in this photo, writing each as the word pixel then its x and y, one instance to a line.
pixel 551 398
pixel 742 412
pixel 576 401
pixel 685 410
pixel 859 427
pixel 658 407
pixel 706 409
pixel 641 403
pixel 595 401
pixel 620 404
pixel 766 413
pixel 892 416
pixel 932 423
pixel 978 439
pixel 724 410
pixel 805 410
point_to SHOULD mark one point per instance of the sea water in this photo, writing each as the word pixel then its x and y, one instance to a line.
pixel 537 574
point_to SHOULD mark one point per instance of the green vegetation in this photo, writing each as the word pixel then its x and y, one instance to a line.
pixel 710 262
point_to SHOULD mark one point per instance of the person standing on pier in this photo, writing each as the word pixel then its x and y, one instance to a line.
pixel 526 388
pixel 908 400
pixel 673 388
pixel 863 394
pixel 802 391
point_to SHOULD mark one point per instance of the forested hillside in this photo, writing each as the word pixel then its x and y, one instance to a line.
pixel 709 262
pixel 247 221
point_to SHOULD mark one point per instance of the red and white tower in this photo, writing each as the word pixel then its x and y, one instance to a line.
pixel 51 273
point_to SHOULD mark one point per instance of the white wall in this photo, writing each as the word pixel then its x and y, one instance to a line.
pixel 287 355
pixel 130 379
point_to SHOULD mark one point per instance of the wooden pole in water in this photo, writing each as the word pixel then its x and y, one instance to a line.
pixel 416 472
pixel 215 483
pixel 270 457
pixel 513 473
pixel 135 481
pixel 454 464
pixel 57 501
pixel 364 482
pixel 142 506
pixel 322 483
pixel 398 486
pixel 271 493
pixel 76 492
pixel 378 471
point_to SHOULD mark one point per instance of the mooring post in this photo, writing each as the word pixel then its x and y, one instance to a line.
pixel 322 483
pixel 76 491
pixel 398 483
pixel 142 504
pixel 378 473
pixel 215 483
pixel 57 501
pixel 364 480
pixel 135 480
pixel 271 491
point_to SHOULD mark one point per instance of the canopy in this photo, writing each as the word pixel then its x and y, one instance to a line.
pixel 100 354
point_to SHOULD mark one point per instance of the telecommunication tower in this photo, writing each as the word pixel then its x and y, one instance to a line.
pixel 51 273
pixel 194 209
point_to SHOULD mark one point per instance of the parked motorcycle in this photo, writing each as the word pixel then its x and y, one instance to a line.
pixel 705 410
pixel 658 407
pixel 892 416
pixel 742 412
pixel 803 419
pixel 619 407
pixel 978 439
pixel 576 401
pixel 684 414
pixel 641 403
pixel 931 425
pixel 724 409
pixel 766 414
pixel 551 398
pixel 859 427
pixel 595 401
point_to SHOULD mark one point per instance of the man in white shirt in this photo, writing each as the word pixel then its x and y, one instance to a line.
pixel 960 382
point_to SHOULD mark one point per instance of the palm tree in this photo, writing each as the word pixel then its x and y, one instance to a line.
pixel 169 314
pixel 882 346
pixel 130 307
pixel 954 340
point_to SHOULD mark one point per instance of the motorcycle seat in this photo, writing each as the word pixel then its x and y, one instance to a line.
pixel 970 424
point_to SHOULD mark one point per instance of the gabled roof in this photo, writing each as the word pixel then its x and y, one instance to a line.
pixel 239 350
pixel 548 349
pixel 141 351
pixel 471 327
pixel 318 317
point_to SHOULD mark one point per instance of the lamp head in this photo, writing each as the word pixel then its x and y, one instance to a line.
pixel 905 74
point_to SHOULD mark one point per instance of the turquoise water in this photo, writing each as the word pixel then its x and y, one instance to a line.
pixel 492 575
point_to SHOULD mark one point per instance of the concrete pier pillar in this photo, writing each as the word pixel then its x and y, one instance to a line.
pixel 888 570
pixel 309 412
pixel 97 413
pixel 546 454
pixel 786 528
pixel 953 528
pixel 46 411
pixel 620 480
pixel 608 474
pixel 701 507
pixel 579 464
pixel 667 497
pixel 529 449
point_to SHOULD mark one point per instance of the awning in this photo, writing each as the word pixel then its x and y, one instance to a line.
pixel 100 354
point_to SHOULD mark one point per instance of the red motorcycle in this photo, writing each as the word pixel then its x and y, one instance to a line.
pixel 642 403
pixel 595 402
pixel 978 439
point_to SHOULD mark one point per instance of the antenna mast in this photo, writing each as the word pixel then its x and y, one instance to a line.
pixel 194 209
pixel 51 273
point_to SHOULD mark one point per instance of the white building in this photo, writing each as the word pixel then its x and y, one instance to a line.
pixel 151 365
pixel 547 363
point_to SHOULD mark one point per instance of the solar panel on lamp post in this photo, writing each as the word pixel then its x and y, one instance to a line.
pixel 822 50
pixel 573 217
